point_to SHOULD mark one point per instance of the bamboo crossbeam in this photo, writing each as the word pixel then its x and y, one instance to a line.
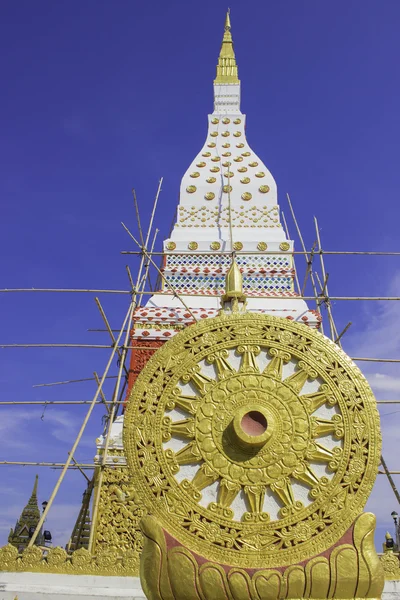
pixel 22 463
pixel 79 402
pixel 64 290
pixel 222 252
pixel 70 381
pixel 197 295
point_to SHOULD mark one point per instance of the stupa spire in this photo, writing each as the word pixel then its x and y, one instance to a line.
pixel 227 70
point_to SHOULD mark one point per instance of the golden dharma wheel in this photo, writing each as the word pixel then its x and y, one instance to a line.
pixel 253 440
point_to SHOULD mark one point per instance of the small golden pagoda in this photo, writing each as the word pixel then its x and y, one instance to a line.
pixel 27 522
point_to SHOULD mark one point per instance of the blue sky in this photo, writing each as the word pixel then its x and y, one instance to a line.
pixel 99 97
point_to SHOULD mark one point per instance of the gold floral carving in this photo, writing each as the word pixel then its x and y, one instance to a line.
pixel 284 246
pixel 262 246
pixel 297 439
pixel 349 571
pixel 80 562
pixel 170 245
pixel 193 245
pixel 391 565
pixel 238 246
pixel 215 245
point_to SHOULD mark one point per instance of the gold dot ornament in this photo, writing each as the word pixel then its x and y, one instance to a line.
pixel 238 159
pixel 246 153
pixel 225 133
pixel 206 154
pixel 229 174
pixel 215 159
pixel 241 145
pixel 237 121
pixel 242 169
pixel 211 145
pixel 211 180
pixel 262 246
pixel 214 169
pixel 226 163
pixel 214 121
pixel 237 134
pixel 193 245
pixel 195 174
pixel 200 164
pixel 226 121
pixel 238 246
pixel 226 153
pixel 260 174
pixel 284 246
pixel 264 189
pixel 246 196
pixel 191 189
pixel 209 196
pixel 214 133
pixel 226 145
pixel 215 245
pixel 245 180
pixel 253 164
pixel 170 245
pixel 227 189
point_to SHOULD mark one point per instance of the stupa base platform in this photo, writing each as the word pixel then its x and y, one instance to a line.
pixel 48 586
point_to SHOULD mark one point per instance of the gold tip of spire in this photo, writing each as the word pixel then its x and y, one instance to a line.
pixel 35 486
pixel 388 536
pixel 227 70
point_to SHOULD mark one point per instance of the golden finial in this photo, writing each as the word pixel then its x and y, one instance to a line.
pixel 35 486
pixel 388 536
pixel 227 71
pixel 234 288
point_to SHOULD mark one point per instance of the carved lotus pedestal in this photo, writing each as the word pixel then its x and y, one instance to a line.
pixel 349 569
pixel 254 443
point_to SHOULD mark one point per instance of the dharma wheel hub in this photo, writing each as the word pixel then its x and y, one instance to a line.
pixel 252 426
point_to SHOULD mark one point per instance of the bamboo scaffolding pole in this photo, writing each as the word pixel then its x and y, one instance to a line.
pixel 171 287
pixel 146 276
pixel 64 290
pixel 294 264
pixel 76 464
pixel 324 288
pixel 309 263
pixel 104 400
pixel 104 317
pixel 338 252
pixel 114 402
pixel 135 202
pixel 81 402
pixel 66 465
pixel 388 474
pixel 248 294
pixel 343 332
pixel 80 433
pixel 68 381
pixel 50 402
